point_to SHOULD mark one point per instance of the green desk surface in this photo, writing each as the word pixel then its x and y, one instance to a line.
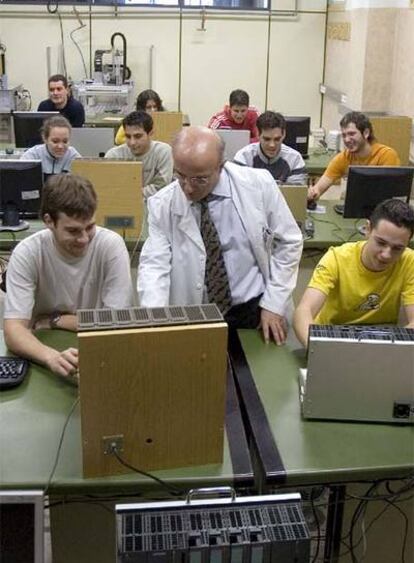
pixel 32 417
pixel 311 451
pixel 8 239
pixel 317 162
pixel 331 229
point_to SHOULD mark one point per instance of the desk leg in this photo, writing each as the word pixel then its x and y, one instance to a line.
pixel 334 523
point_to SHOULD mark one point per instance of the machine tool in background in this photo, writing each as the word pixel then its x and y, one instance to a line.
pixel 110 90
pixel 11 99
pixel 110 66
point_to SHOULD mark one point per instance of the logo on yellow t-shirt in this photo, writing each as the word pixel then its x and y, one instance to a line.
pixel 371 303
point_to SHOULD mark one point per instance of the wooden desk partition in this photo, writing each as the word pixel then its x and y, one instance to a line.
pixel 119 188
pixel 161 389
pixel 394 131
pixel 296 197
pixel 166 125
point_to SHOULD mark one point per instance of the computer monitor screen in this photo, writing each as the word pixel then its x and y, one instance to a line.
pixel 297 134
pixel 27 125
pixel 21 527
pixel 21 183
pixel 367 186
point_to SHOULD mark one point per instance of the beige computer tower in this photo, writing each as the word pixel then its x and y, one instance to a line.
pixel 162 390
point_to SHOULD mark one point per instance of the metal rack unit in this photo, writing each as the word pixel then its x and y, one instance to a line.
pixel 138 317
pixel 260 529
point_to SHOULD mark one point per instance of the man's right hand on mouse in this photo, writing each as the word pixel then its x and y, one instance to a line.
pixel 313 194
pixel 63 363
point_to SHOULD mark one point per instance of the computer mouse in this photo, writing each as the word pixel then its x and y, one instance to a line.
pixel 10 217
pixel 311 204
pixel 339 208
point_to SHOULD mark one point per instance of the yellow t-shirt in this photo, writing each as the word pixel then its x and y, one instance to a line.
pixel 380 155
pixel 357 295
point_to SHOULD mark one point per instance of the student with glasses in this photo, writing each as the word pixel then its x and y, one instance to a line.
pixel 223 233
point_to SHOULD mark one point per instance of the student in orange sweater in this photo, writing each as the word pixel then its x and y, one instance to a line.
pixel 361 149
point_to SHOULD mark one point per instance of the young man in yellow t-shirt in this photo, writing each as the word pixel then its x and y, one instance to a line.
pixel 364 282
pixel 361 149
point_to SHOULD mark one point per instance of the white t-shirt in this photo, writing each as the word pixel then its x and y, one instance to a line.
pixel 40 280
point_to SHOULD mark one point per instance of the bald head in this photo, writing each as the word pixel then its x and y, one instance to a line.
pixel 198 155
pixel 196 142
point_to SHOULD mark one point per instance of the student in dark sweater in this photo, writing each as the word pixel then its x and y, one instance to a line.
pixel 61 100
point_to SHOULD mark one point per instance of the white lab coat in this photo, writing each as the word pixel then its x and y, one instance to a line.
pixel 173 258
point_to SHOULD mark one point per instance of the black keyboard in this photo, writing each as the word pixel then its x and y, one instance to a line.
pixel 12 371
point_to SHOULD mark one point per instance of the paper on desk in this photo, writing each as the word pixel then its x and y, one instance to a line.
pixel 116 119
pixel 321 209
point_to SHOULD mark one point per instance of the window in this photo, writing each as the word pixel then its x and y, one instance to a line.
pixel 230 4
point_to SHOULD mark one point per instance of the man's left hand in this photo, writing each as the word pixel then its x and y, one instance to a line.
pixel 273 327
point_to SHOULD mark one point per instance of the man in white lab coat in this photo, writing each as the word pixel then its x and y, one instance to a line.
pixel 260 241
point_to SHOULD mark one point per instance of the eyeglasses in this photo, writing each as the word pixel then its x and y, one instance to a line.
pixel 193 180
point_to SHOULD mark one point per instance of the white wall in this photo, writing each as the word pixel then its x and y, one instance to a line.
pixel 231 53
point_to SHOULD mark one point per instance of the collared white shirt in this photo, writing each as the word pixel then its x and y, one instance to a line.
pixel 245 278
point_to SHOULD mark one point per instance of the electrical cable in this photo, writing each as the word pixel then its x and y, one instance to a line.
pixel 364 540
pixel 336 229
pixel 359 513
pixel 62 435
pixel 318 527
pixel 81 26
pixel 404 544
pixel 174 491
pixel 62 36
pixel 139 239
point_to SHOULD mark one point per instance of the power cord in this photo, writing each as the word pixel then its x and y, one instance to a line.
pixel 392 498
pixel 136 245
pixel 318 527
pixel 81 26
pixel 62 37
pixel 336 229
pixel 62 435
pixel 172 490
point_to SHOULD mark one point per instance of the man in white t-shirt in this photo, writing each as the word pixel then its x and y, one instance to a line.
pixel 72 264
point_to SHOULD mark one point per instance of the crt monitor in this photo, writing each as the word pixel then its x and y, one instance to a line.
pixel 27 126
pixel 368 186
pixel 297 134
pixel 21 526
pixel 21 183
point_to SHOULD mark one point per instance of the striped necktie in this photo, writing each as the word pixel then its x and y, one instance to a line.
pixel 216 280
